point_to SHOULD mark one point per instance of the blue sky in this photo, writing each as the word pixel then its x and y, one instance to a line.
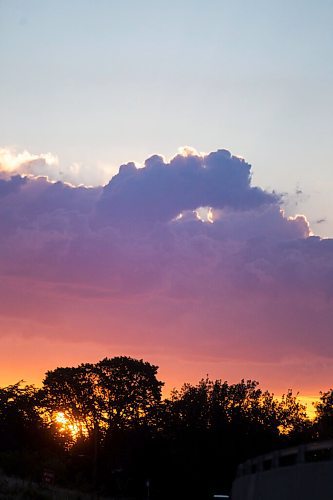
pixel 105 82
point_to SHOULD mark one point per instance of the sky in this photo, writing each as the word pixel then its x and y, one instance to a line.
pixel 165 188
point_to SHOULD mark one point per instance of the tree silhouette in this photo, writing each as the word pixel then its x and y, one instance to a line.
pixel 20 421
pixel 127 391
pixel 187 445
pixel 115 392
pixel 71 391
pixel 324 415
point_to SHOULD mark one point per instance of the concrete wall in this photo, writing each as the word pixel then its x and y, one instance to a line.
pixel 298 482
pixel 309 478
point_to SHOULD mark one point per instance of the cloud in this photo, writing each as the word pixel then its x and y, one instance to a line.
pixel 184 256
pixel 26 163
pixel 48 165
pixel 162 190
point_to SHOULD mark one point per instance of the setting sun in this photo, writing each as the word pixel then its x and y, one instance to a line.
pixel 64 425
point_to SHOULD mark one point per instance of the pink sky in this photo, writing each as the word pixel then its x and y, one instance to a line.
pixel 134 268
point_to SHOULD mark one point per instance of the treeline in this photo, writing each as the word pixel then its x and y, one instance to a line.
pixel 105 427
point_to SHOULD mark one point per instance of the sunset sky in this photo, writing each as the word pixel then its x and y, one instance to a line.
pixel 165 188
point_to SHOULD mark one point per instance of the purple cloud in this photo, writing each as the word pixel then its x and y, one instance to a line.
pixel 117 264
pixel 160 191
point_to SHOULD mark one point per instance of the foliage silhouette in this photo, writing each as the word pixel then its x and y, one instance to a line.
pixel 324 410
pixel 187 445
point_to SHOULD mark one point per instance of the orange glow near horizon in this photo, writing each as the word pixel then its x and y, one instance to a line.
pixel 64 425
pixel 22 360
pixel 309 402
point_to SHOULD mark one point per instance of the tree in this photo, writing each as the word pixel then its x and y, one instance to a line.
pixel 116 392
pixel 20 421
pixel 71 391
pixel 324 415
pixel 292 415
pixel 127 391
pixel 100 399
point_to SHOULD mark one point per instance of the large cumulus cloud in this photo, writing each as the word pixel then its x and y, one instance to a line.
pixel 162 190
pixel 185 256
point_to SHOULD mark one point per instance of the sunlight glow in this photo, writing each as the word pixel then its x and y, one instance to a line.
pixel 205 214
pixel 309 402
pixel 188 151
pixel 64 425
pixel 10 161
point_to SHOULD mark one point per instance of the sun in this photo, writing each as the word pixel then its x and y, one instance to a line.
pixel 66 426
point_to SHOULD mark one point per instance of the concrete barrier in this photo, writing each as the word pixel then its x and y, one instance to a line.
pixel 299 473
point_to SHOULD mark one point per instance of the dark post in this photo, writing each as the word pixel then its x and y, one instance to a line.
pixel 95 460
pixel 148 488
